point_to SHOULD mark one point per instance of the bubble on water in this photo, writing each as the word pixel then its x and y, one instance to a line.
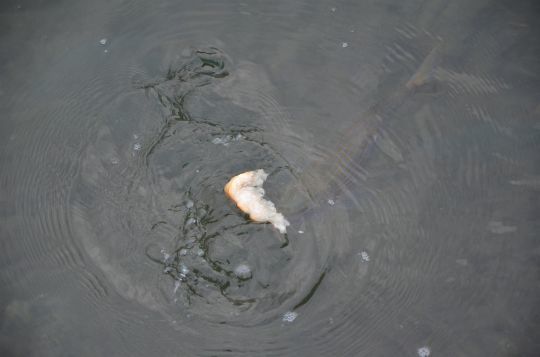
pixel 333 9
pixel 103 41
pixel 184 269
pixel 289 316
pixel 137 147
pixel 183 251
pixel 200 252
pixel 301 232
pixel 242 271
pixel 106 51
pixel 227 139
pixel 189 204
pixel 331 202
pixel 365 256
pixel 115 161
pixel 424 351
pixel 222 141
pixel 166 255
pixel 344 44
pixel 190 221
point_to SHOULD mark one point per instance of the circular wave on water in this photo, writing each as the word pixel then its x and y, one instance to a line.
pixel 155 215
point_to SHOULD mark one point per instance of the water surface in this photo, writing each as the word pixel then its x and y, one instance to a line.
pixel 401 139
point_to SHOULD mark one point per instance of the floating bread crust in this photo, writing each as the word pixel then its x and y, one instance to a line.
pixel 247 192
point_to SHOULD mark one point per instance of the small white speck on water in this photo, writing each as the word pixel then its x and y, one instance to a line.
pixel 137 147
pixel 222 141
pixel 344 44
pixel 176 285
pixel 365 256
pixel 289 316
pixel 115 161
pixel 331 202
pixel 200 252
pixel 103 41
pixel 333 9
pixel 106 51
pixel 227 139
pixel 184 269
pixel 183 252
pixel 301 232
pixel 242 271
pixel 352 31
pixel 135 136
pixel 189 204
pixel 424 351
pixel 499 228
pixel 165 254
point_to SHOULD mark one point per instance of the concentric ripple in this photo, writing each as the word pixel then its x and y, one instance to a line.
pixel 174 211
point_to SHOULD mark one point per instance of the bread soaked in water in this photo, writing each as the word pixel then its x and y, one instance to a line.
pixel 247 192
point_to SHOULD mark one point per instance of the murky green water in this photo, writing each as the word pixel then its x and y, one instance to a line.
pixel 401 139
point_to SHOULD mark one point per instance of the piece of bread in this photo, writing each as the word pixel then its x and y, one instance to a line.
pixel 247 192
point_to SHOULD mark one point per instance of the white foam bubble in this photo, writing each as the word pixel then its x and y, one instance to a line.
pixel 184 269
pixel 227 139
pixel 424 351
pixel 166 255
pixel 289 316
pixel 242 271
pixel 365 256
